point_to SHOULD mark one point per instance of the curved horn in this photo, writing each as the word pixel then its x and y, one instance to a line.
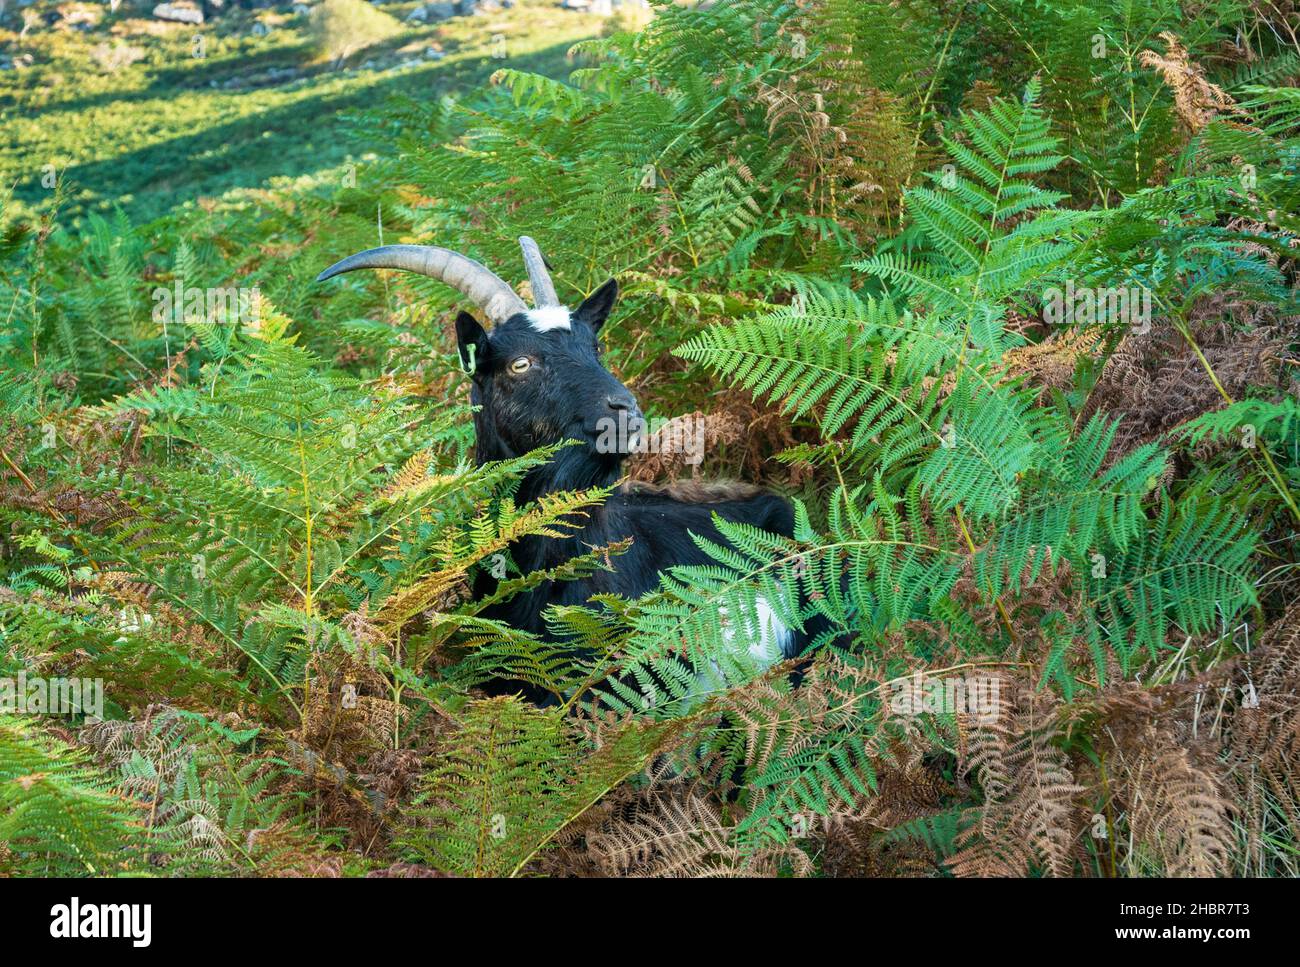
pixel 483 286
pixel 540 279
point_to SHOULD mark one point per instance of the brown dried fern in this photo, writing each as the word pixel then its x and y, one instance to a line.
pixel 1029 820
pixel 678 833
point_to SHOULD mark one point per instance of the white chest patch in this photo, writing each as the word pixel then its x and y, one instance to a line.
pixel 548 318
pixel 754 644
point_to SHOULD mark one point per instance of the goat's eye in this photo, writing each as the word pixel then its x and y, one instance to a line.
pixel 520 365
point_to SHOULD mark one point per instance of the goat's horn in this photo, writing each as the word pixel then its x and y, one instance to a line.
pixel 540 279
pixel 483 286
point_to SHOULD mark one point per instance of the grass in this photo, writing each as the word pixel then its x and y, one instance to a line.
pixel 174 127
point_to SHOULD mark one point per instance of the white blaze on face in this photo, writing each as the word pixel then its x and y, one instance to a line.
pixel 548 317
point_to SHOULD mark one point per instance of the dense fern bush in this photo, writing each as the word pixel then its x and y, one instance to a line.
pixel 1054 554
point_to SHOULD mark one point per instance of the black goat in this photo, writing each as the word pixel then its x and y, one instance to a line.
pixel 538 380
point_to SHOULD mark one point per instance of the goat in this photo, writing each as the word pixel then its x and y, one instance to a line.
pixel 538 380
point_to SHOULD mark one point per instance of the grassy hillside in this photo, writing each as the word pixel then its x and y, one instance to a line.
pixel 147 115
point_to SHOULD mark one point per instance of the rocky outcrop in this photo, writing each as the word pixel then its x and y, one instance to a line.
pixel 434 12
pixel 179 11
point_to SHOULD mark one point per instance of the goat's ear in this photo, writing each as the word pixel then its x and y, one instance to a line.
pixel 470 334
pixel 596 307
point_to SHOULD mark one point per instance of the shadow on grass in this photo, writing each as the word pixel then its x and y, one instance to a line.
pixel 292 139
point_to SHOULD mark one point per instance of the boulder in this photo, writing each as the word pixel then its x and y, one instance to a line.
pixel 432 13
pixel 179 11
